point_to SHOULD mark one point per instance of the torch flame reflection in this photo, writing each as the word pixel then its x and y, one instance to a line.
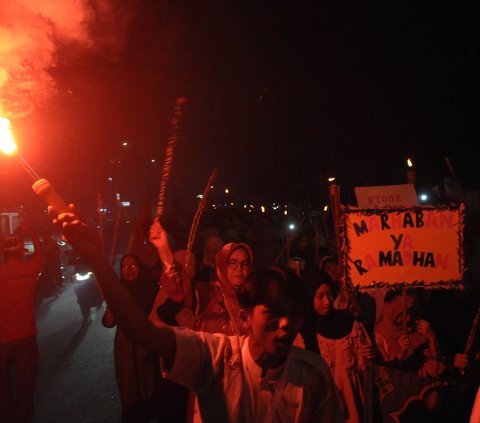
pixel 7 144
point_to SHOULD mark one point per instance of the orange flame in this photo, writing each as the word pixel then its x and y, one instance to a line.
pixel 7 144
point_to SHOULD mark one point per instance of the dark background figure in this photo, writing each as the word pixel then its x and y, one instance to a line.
pixel 86 290
pixel 18 329
pixel 136 371
pixel 302 247
pixel 51 280
pixel 206 265
pixel 454 317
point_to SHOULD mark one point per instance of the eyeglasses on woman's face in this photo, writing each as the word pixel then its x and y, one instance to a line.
pixel 234 264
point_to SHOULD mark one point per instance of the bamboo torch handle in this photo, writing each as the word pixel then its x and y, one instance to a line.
pixel 46 191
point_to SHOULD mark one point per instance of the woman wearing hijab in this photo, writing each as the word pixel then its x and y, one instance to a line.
pixel 135 369
pixel 217 304
pixel 343 343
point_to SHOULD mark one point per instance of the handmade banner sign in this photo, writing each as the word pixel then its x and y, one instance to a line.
pixel 420 246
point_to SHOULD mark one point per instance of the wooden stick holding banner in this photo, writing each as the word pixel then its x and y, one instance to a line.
pixel 411 173
pixel 368 380
pixel 334 192
pixel 327 232
pixel 404 310
pixel 411 179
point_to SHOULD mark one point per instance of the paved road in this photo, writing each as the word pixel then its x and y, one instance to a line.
pixel 76 381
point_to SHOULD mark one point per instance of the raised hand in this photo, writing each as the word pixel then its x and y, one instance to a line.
pixel 432 368
pixel 368 352
pixel 76 232
pixel 461 361
pixel 157 235
pixel 159 239
pixel 425 328
pixel 405 345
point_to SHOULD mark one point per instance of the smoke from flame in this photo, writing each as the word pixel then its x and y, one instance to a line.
pixel 31 33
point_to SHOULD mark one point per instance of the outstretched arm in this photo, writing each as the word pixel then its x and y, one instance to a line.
pixel 158 340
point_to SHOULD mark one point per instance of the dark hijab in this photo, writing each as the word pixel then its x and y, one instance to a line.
pixel 337 324
pixel 144 288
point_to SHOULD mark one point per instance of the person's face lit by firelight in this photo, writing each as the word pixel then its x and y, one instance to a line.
pixel 129 268
pixel 238 266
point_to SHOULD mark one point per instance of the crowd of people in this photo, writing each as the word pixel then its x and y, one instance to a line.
pixel 254 325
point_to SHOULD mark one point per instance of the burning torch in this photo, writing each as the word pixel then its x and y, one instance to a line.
pixel 411 174
pixel 40 186
pixel 334 193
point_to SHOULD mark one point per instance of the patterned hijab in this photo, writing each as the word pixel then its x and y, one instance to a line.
pixel 221 259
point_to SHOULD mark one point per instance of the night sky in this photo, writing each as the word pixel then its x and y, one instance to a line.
pixel 281 95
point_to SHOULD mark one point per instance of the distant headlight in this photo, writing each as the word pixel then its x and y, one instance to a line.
pixel 83 276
